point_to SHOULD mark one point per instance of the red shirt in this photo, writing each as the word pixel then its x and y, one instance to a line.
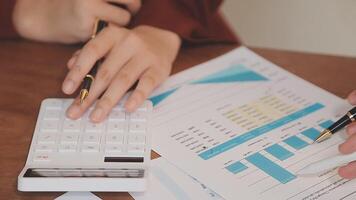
pixel 6 27
pixel 195 21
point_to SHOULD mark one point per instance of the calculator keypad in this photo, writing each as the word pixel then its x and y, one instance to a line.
pixel 122 134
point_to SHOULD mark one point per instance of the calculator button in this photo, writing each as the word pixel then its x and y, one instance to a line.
pixel 117 127
pixel 69 138
pixel 111 148
pixel 114 138
pixel 118 115
pixel 137 139
pixel 90 148
pixel 42 157
pixel 52 114
pixel 44 148
pixel 93 127
pixel 71 125
pixel 138 116
pixel 67 103
pixel 49 126
pixel 67 148
pixel 46 139
pixel 137 127
pixel 135 148
pixel 91 138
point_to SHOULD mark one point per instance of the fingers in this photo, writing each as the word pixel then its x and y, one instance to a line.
pixel 132 5
pixel 352 97
pixel 124 79
pixel 112 64
pixel 348 171
pixel 114 14
pixel 349 145
pixel 91 52
pixel 351 129
pixel 77 109
pixel 147 83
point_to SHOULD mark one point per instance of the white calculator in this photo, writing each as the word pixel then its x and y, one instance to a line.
pixel 77 155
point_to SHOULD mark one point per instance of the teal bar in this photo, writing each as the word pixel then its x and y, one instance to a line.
pixel 311 133
pixel 295 142
pixel 236 167
pixel 158 98
pixel 279 152
pixel 326 124
pixel 271 168
pixel 229 144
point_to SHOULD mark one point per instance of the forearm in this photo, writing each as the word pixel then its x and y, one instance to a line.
pixel 38 20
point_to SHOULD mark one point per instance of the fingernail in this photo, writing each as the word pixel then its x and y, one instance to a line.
pixel 73 112
pixel 97 115
pixel 68 86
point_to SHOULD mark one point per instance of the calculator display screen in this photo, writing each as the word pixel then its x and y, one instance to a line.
pixel 84 172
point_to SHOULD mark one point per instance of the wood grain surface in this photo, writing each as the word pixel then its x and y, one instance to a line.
pixel 31 72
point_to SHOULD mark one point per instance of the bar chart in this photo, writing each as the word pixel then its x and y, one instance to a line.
pixel 279 152
pixel 234 142
pixel 247 136
pixel 245 127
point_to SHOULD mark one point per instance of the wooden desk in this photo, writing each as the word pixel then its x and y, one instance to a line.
pixel 31 72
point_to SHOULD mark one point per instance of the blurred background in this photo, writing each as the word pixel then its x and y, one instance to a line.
pixel 319 26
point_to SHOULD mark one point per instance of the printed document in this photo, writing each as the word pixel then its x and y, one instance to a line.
pixel 244 127
pixel 168 182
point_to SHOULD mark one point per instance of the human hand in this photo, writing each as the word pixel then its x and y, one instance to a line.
pixel 349 146
pixel 69 21
pixel 144 53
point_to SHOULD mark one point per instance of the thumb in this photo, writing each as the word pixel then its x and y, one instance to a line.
pixel 352 97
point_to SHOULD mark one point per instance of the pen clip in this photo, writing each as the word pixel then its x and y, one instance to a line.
pixel 95 28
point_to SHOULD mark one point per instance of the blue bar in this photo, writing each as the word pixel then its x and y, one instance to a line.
pixel 311 133
pixel 236 167
pixel 279 152
pixel 271 168
pixel 326 124
pixel 295 142
pixel 259 131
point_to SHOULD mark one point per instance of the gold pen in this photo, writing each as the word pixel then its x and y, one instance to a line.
pixel 339 124
pixel 90 77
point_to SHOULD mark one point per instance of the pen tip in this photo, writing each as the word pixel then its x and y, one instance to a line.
pixel 326 134
pixel 83 94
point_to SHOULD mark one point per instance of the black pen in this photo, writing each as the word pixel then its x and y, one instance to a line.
pixel 89 78
pixel 339 124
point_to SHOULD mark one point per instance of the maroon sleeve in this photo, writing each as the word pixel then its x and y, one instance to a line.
pixel 7 29
pixel 195 21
